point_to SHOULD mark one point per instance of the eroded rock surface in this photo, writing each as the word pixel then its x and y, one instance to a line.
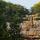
pixel 28 31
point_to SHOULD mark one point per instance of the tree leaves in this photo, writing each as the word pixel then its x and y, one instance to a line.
pixel 11 13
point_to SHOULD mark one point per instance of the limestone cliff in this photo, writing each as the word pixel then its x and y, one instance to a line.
pixel 29 29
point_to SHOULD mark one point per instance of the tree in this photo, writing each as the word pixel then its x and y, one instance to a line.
pixel 36 7
pixel 11 13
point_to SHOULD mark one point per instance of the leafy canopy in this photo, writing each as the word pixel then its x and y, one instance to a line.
pixel 36 7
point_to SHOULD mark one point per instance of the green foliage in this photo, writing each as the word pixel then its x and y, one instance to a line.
pixel 11 13
pixel 36 7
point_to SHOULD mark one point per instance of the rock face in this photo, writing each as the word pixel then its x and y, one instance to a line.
pixel 28 31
